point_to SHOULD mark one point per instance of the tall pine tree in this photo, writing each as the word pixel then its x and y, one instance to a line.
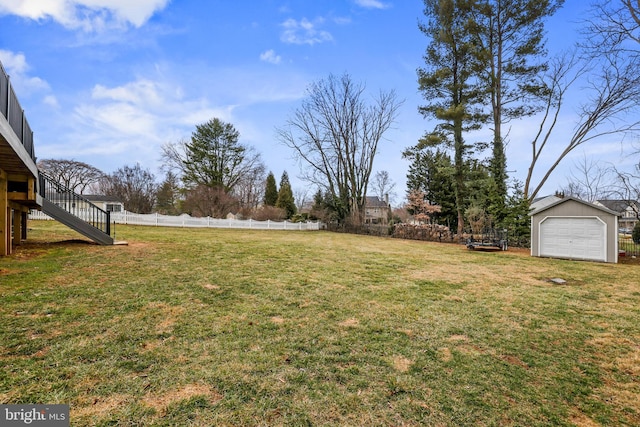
pixel 285 196
pixel 168 198
pixel 270 191
pixel 448 82
pixel 511 36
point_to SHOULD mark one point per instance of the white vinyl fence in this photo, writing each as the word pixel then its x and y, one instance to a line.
pixel 184 220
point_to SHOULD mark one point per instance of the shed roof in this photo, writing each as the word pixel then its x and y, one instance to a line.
pixel 575 199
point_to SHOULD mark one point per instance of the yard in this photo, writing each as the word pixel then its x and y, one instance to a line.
pixel 245 327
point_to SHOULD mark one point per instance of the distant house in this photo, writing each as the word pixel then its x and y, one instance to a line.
pixel 376 210
pixel 106 203
pixel 629 211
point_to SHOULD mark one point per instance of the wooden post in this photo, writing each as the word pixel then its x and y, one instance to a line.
pixel 25 216
pixel 17 227
pixel 5 218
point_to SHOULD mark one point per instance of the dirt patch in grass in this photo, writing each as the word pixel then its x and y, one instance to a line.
pixel 581 420
pixel 444 354
pixel 513 360
pixel 401 363
pixel 168 314
pixel 629 260
pixel 349 323
pixel 277 320
pixel 160 402
pixel 98 407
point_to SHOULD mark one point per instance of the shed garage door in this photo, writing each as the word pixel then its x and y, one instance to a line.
pixel 571 237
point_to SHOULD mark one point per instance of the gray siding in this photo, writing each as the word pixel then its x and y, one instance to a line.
pixel 574 208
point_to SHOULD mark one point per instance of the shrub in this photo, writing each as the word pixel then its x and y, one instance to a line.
pixel 635 235
pixel 271 213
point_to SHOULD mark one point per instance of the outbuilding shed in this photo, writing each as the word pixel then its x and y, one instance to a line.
pixel 571 228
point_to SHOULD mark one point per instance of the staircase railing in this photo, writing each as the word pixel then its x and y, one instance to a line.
pixel 74 203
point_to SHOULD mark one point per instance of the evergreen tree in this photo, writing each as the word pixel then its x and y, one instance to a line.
pixel 271 191
pixel 511 36
pixel 448 82
pixel 517 218
pixel 168 200
pixel 635 234
pixel 432 173
pixel 318 210
pixel 285 196
pixel 213 157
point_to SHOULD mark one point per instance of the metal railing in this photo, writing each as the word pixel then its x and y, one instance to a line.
pixel 627 247
pixel 10 108
pixel 74 203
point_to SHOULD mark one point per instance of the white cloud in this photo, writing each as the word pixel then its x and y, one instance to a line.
pixel 270 56
pixel 51 101
pixel 15 64
pixel 86 15
pixel 342 20
pixel 134 119
pixel 112 124
pixel 372 4
pixel 140 92
pixel 304 32
pixel 133 109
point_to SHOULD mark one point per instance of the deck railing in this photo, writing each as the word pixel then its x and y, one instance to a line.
pixel 10 108
pixel 74 203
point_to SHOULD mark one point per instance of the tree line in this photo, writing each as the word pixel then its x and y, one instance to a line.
pixel 213 174
pixel 486 67
pixel 335 135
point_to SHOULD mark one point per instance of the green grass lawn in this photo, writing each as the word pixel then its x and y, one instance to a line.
pixel 239 327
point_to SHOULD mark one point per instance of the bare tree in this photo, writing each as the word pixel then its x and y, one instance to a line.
pixel 204 201
pixel 627 187
pixel 589 181
pixel 134 186
pixel 614 22
pixel 611 95
pixel 420 208
pixel 301 197
pixel 249 190
pixel 609 63
pixel 78 176
pixel 383 186
pixel 335 136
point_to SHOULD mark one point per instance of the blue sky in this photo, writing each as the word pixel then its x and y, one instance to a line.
pixel 108 82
